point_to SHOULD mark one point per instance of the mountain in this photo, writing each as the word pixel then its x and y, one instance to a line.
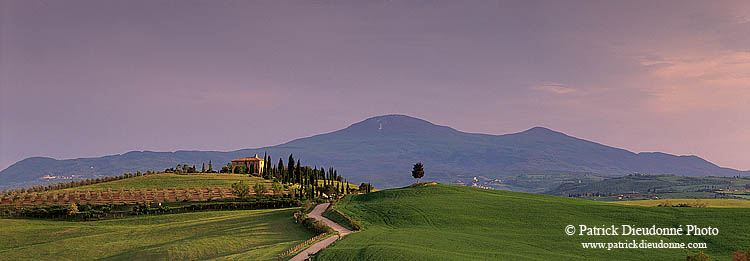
pixel 383 149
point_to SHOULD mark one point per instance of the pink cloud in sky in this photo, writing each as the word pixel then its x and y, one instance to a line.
pixel 702 82
pixel 553 87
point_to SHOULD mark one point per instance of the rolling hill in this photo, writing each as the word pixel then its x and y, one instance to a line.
pixel 237 235
pixel 382 149
pixel 172 181
pixel 444 222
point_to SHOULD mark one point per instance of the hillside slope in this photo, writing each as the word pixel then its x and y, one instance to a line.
pixel 236 235
pixel 418 224
pixel 382 150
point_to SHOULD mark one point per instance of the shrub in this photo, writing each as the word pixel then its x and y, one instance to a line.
pixel 97 211
pixel 277 189
pixel 260 190
pixel 316 226
pixel 365 188
pixel 72 209
pixel 141 209
pixel 48 211
pixel 700 256
pixel 338 217
pixel 91 212
pixel 307 205
pixel 240 189
pixel 741 256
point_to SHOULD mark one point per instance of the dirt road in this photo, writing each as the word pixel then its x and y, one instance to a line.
pixel 317 213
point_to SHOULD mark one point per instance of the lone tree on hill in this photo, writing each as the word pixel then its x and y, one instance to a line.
pixel 418 171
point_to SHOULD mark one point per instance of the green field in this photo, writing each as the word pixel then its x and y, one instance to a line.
pixel 443 222
pixel 177 181
pixel 710 203
pixel 170 180
pixel 242 234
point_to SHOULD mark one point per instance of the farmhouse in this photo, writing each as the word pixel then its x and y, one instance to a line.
pixel 254 164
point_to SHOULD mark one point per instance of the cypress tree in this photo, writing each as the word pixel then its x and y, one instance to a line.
pixel 298 173
pixel 304 177
pixel 265 164
pixel 290 171
pixel 280 168
pixel 316 172
pixel 323 176
pixel 269 162
pixel 314 188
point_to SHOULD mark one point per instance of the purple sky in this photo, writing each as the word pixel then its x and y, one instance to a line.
pixel 90 78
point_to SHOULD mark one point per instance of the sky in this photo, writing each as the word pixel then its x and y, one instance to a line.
pixel 102 77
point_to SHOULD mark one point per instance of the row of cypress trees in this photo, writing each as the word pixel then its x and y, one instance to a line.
pixel 313 181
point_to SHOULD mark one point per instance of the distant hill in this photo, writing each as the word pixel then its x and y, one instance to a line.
pixel 646 183
pixel 383 149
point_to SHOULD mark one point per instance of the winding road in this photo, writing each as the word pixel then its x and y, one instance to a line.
pixel 317 213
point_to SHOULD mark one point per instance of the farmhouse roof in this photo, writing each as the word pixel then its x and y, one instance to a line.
pixel 255 158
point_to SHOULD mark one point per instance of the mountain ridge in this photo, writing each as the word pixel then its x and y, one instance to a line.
pixel 381 150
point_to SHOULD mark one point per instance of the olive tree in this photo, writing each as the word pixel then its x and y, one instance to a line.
pixel 241 189
pixel 260 190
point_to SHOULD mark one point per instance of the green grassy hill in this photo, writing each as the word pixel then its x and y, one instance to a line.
pixel 171 180
pixel 184 181
pixel 443 222
pixel 242 234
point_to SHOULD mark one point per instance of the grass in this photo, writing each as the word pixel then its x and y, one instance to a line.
pixel 242 234
pixel 443 222
pixel 170 180
pixel 336 216
pixel 710 203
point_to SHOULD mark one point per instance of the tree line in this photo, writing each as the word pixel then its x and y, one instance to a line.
pixel 74 183
pixel 185 168
pixel 305 182
pixel 179 169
